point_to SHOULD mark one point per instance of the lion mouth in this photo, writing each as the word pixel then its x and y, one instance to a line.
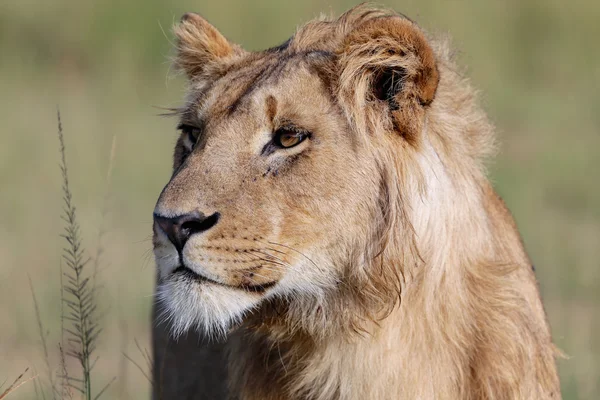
pixel 188 273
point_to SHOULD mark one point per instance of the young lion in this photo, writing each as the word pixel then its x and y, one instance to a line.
pixel 330 217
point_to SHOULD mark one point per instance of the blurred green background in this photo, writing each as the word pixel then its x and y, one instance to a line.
pixel 105 63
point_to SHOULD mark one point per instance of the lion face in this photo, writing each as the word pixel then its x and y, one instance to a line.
pixel 280 208
pixel 278 187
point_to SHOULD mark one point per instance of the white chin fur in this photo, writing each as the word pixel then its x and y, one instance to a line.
pixel 206 307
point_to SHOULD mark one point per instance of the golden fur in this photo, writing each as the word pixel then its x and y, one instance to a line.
pixel 382 263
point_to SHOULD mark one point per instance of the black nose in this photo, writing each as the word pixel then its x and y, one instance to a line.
pixel 179 229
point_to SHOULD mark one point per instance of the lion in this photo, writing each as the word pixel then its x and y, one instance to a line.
pixel 330 227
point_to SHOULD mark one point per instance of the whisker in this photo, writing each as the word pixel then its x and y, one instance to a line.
pixel 277 251
pixel 251 257
pixel 271 256
pixel 279 263
pixel 146 239
pixel 294 250
pixel 276 263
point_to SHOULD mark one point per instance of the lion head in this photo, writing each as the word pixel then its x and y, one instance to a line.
pixel 307 176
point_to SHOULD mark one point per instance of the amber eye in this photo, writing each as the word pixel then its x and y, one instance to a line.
pixel 191 131
pixel 287 138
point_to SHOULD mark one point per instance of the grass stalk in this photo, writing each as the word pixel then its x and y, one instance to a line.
pixel 43 340
pixel 78 289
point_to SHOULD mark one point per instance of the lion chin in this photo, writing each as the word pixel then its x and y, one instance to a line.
pixel 330 221
pixel 192 304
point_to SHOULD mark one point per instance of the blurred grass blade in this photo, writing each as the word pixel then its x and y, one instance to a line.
pixel 17 384
pixel 43 340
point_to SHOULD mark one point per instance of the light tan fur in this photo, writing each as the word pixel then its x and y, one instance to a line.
pixel 391 267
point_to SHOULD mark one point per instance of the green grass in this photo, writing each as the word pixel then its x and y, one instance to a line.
pixel 105 64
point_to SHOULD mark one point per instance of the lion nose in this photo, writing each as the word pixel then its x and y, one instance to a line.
pixel 179 229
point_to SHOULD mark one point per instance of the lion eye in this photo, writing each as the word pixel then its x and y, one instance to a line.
pixel 287 138
pixel 191 131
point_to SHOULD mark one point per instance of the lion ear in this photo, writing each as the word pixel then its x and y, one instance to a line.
pixel 388 61
pixel 200 46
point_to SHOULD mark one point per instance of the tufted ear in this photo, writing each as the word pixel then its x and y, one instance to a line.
pixel 201 48
pixel 388 66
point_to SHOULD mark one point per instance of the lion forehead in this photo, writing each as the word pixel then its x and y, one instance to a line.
pixel 280 73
